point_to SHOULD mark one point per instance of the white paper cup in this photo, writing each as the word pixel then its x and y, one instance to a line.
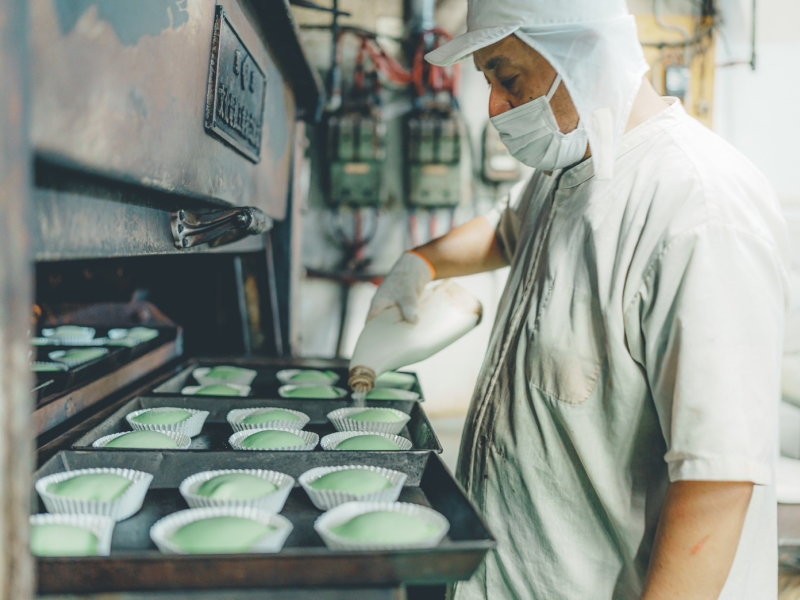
pixel 183 441
pixel 285 390
pixel 330 441
pixel 81 337
pixel 343 513
pixel 101 527
pixel 236 416
pixel 342 422
pixel 401 395
pixel 311 440
pixel 271 503
pixel 244 378
pixel 164 529
pixel 59 356
pixel 123 337
pixel 120 509
pixel 328 499
pixel 285 377
pixel 191 390
pixel 191 426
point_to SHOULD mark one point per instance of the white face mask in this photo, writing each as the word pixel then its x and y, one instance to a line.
pixel 531 134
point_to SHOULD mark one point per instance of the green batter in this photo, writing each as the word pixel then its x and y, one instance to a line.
pixel 367 442
pixel 353 481
pixel 270 416
pixel 383 527
pixel 220 535
pixel 400 381
pixel 70 331
pixel 48 367
pixel 313 391
pixel 143 439
pixel 218 389
pixel 312 376
pixel 162 417
pixel 224 373
pixel 104 487
pixel 386 394
pixel 376 415
pixel 236 486
pixel 82 354
pixel 271 440
pixel 63 540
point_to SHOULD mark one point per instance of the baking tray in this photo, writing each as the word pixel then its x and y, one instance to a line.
pixel 136 565
pixel 217 430
pixel 265 384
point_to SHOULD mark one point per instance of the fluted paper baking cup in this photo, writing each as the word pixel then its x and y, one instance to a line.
pixel 164 529
pixel 285 377
pixel 285 390
pixel 330 441
pixel 59 356
pixel 342 422
pixel 122 508
pixel 101 527
pixel 328 499
pixel 80 337
pixel 311 440
pixel 236 416
pixel 191 390
pixel 343 513
pixel 183 441
pixel 244 378
pixel 191 426
pixel 271 503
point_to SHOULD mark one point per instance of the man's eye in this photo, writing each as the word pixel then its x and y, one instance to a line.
pixel 509 83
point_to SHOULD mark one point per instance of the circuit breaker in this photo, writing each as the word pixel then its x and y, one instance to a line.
pixel 433 159
pixel 356 152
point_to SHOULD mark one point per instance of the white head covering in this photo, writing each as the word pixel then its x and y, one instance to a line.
pixel 592 44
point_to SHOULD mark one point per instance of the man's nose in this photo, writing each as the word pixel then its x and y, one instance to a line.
pixel 498 103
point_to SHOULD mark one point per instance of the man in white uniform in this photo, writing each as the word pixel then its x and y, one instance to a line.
pixel 621 440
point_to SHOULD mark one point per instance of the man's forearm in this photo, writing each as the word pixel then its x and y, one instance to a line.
pixel 698 534
pixel 466 250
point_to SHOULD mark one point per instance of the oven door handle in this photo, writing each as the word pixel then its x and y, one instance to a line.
pixel 217 228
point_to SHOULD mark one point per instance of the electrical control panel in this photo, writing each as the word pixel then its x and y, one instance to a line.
pixel 356 152
pixel 433 159
pixel 498 166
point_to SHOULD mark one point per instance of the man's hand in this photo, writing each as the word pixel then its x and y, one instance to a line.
pixel 403 287
pixel 698 534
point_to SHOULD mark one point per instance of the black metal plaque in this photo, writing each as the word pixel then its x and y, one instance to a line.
pixel 236 89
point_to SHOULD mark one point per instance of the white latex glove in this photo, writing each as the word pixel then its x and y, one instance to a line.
pixel 403 287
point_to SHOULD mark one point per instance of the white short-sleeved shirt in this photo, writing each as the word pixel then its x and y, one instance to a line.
pixel 638 342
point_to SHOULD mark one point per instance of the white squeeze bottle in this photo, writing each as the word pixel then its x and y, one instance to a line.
pixel 446 313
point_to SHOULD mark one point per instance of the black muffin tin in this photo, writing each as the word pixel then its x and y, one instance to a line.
pixel 216 430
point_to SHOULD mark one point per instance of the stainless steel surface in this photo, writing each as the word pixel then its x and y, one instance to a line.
pixel 190 229
pixel 16 298
pixel 120 90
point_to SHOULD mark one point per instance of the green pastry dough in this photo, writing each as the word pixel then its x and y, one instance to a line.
pixel 386 394
pixel 70 331
pixel 48 367
pixel 218 389
pixel 143 439
pixel 353 481
pixel 312 376
pixel 399 381
pixel 63 540
pixel 162 417
pixel 236 486
pixel 376 415
pixel 270 416
pixel 270 440
pixel 314 391
pixel 220 535
pixel 83 354
pixel 386 528
pixel 104 487
pixel 367 442
pixel 224 373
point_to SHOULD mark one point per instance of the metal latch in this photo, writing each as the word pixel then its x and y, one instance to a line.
pixel 217 228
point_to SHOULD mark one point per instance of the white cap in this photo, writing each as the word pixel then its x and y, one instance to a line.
pixel 592 44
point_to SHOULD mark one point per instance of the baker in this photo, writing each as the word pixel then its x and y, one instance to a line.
pixel 621 441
